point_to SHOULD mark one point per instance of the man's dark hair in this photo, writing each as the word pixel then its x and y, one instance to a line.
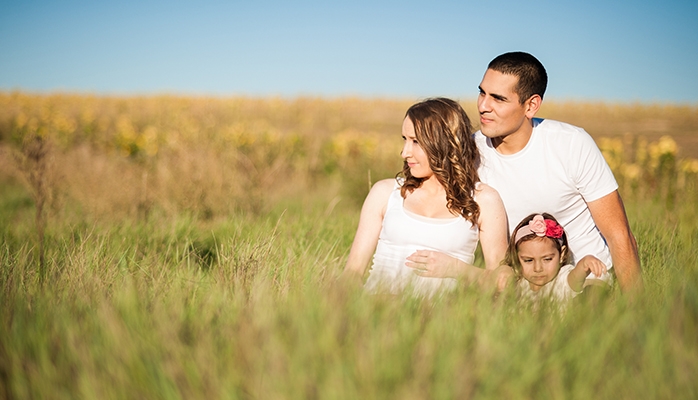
pixel 532 76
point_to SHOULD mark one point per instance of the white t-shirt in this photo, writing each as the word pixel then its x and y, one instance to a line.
pixel 402 234
pixel 558 172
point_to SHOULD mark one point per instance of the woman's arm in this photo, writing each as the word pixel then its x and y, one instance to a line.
pixel 493 238
pixel 492 225
pixel 370 223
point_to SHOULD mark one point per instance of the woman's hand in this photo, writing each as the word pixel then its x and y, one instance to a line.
pixel 505 277
pixel 432 264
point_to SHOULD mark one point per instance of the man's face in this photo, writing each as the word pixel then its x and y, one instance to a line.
pixel 501 113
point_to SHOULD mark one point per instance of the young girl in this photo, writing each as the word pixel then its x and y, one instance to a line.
pixel 435 207
pixel 539 254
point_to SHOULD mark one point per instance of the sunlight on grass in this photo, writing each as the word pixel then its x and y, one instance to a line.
pixel 192 246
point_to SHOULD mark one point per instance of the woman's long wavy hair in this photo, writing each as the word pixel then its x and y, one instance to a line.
pixel 444 132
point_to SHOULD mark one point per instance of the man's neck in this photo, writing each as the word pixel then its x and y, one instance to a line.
pixel 514 142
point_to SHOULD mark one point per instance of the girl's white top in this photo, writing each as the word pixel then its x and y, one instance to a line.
pixel 558 290
pixel 402 234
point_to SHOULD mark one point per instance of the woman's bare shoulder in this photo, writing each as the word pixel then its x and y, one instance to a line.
pixel 486 193
pixel 380 191
pixel 384 185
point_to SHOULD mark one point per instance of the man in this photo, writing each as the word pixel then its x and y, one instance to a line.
pixel 548 166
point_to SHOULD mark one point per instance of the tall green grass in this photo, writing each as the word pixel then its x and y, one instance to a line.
pixel 167 285
pixel 249 307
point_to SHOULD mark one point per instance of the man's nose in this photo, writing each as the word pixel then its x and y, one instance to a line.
pixel 483 104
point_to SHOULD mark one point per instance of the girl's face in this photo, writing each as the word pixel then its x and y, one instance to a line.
pixel 540 261
pixel 413 153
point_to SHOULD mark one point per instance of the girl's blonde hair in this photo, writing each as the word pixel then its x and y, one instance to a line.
pixel 512 255
pixel 444 132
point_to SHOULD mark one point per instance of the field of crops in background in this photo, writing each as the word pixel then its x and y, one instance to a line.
pixel 182 247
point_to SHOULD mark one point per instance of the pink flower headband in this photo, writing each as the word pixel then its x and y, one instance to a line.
pixel 541 227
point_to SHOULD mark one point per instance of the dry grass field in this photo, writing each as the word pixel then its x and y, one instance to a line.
pixel 187 247
pixel 131 155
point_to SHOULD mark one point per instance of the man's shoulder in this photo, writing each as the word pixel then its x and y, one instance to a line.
pixel 562 134
pixel 554 126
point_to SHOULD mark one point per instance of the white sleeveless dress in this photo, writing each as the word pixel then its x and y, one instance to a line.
pixel 402 234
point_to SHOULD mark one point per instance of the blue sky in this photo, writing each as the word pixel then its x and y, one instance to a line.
pixel 627 51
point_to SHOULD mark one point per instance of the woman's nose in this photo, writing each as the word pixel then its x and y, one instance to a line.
pixel 406 150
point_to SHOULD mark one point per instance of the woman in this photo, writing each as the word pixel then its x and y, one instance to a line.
pixel 435 212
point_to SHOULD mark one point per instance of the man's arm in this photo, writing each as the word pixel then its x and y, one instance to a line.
pixel 609 216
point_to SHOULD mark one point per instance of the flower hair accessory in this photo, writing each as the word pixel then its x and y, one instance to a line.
pixel 540 227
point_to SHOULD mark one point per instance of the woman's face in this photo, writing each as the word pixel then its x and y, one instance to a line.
pixel 413 153
pixel 540 261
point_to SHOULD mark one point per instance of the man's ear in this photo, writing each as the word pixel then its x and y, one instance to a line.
pixel 533 105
